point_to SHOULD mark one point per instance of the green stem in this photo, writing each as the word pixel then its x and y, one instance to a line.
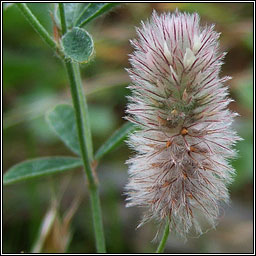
pixel 82 120
pixel 63 18
pixel 77 95
pixel 85 141
pixel 162 243
pixel 37 25
pixel 76 92
pixel 84 112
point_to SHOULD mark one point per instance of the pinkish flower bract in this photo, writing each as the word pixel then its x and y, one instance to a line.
pixel 181 167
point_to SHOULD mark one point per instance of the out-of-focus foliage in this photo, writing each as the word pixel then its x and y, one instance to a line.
pixel 34 81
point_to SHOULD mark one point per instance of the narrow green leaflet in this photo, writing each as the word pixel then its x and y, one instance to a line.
pixel 72 12
pixel 115 140
pixel 62 120
pixel 79 14
pixel 77 45
pixel 40 166
pixel 92 11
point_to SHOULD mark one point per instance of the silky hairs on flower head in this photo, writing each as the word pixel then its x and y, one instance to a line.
pixel 180 171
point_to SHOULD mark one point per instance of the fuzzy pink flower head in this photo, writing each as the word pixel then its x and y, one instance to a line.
pixel 180 171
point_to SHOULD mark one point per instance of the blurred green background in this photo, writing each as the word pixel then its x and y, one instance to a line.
pixel 35 81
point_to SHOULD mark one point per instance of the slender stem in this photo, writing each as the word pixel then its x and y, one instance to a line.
pixel 162 243
pixel 84 112
pixel 76 98
pixel 63 18
pixel 82 120
pixel 93 187
pixel 37 25
pixel 85 141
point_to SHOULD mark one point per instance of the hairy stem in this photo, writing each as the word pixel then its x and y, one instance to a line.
pixel 37 25
pixel 162 243
pixel 85 141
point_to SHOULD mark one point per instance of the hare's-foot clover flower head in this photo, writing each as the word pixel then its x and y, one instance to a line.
pixel 181 168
